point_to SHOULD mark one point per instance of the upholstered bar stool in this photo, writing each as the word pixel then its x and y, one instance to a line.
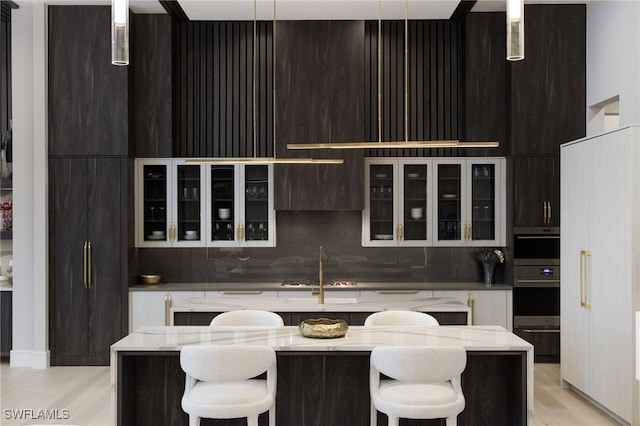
pixel 423 383
pixel 221 384
pixel 248 317
pixel 400 318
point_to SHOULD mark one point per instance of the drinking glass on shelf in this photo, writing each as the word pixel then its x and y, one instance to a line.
pixel 161 213
pixel 262 230
pixel 153 213
pixel 229 232
pixel 374 193
pixel 251 232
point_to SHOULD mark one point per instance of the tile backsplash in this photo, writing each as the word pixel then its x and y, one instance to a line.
pixel 299 236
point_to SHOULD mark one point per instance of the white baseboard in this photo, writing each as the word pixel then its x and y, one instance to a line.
pixel 32 359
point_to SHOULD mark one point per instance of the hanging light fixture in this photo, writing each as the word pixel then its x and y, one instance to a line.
pixel 274 159
pixel 406 143
pixel 120 32
pixel 515 30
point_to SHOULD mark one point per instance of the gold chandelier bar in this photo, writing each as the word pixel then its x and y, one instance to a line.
pixel 265 160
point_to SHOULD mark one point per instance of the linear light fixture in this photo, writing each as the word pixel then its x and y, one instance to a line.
pixel 406 144
pixel 515 30
pixel 120 32
pixel 264 160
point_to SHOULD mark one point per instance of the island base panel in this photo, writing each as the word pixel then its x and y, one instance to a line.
pixel 319 389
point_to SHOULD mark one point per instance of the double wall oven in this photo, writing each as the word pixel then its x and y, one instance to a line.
pixel 536 290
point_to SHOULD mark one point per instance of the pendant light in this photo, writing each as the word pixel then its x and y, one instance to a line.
pixel 120 32
pixel 406 143
pixel 274 159
pixel 515 30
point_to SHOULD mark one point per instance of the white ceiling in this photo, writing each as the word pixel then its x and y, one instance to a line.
pixel 231 10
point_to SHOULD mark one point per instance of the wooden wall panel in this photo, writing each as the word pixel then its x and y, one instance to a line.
pixel 434 88
pixel 485 78
pixel 320 95
pixel 548 88
pixel 213 89
pixel 150 91
pixel 88 101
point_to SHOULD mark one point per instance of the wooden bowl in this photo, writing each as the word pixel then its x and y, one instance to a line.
pixel 323 328
pixel 150 278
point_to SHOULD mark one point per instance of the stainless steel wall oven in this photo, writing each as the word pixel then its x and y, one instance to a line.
pixel 536 290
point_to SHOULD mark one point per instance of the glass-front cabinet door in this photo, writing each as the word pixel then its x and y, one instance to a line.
pixel 258 219
pixel 397 202
pixel 470 202
pixel 241 205
pixel 169 208
pixel 222 205
pixel 189 210
pixel 152 202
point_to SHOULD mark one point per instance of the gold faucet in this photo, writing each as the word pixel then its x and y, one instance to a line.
pixel 320 292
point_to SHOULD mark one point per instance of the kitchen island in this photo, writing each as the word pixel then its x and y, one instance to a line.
pixel 322 381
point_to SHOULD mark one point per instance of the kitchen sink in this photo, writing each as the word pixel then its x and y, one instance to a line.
pixel 327 300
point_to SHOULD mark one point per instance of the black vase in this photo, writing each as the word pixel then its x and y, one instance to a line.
pixel 488 273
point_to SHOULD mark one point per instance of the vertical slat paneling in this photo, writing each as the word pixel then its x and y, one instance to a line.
pixel 214 89
pixel 434 84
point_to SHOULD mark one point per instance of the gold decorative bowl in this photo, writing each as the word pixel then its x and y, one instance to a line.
pixel 150 278
pixel 323 328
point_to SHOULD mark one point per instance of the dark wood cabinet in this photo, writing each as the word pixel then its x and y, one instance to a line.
pixel 485 93
pixel 88 102
pixel 548 88
pixel 151 87
pixel 319 73
pixel 6 322
pixel 87 292
pixel 536 187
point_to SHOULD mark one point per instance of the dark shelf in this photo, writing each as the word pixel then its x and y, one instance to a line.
pixel 6 235
pixel 6 184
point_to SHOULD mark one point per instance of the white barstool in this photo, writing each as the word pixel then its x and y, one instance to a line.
pixel 400 318
pixel 221 384
pixel 424 383
pixel 248 317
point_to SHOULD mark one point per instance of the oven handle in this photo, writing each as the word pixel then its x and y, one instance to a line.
pixel 537 283
pixel 541 330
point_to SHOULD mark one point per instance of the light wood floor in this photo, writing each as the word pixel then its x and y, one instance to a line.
pixel 84 391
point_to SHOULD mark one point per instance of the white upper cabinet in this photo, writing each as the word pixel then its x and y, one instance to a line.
pixel 397 202
pixel 439 202
pixel 240 205
pixel 182 204
pixel 469 202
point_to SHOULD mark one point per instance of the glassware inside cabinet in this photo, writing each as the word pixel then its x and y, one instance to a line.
pixel 222 203
pixel 381 195
pixel 449 201
pixel 415 218
pixel 155 202
pixel 256 202
pixel 483 201
pixel 189 187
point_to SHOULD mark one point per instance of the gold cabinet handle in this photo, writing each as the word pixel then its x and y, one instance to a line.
pixel 468 229
pixel 544 212
pixel 85 259
pixel 401 228
pixel 172 232
pixel 471 302
pixel 240 232
pixel 584 278
pixel 548 211
pixel 168 304
pixel 89 263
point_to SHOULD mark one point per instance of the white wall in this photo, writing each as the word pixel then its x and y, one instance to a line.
pixel 29 90
pixel 613 58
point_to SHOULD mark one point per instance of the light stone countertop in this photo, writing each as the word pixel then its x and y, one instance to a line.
pixel 276 286
pixel 309 304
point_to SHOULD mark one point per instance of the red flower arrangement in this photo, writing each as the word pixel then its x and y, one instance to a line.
pixel 6 207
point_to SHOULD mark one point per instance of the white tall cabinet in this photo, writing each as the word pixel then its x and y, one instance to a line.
pixel 600 219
